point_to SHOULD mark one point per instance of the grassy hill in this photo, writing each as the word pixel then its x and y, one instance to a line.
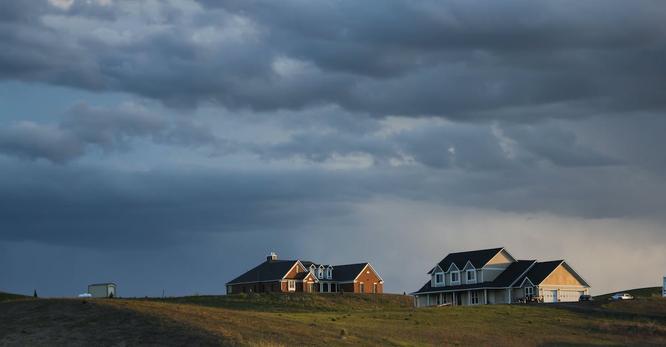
pixel 638 293
pixel 297 302
pixel 276 320
pixel 10 297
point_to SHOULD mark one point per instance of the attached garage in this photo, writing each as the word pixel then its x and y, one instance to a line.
pixel 570 295
pixel 549 295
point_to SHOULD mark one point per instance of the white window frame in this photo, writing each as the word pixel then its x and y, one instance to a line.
pixel 361 287
pixel 320 273
pixel 474 296
pixel 457 273
pixel 329 273
pixel 291 285
pixel 531 289
pixel 472 280
pixel 442 277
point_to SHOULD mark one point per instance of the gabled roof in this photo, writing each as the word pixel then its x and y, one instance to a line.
pixel 270 270
pixel 512 273
pixel 540 271
pixel 477 258
pixel 303 275
pixel 348 272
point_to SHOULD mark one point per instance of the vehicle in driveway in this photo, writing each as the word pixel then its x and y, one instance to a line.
pixel 622 296
pixel 584 298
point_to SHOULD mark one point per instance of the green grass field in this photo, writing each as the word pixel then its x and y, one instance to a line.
pixel 320 319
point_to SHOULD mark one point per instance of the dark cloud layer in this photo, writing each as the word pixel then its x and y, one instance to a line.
pixel 456 59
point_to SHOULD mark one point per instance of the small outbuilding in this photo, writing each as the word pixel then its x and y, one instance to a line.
pixel 102 290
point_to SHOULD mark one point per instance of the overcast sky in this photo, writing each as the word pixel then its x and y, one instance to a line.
pixel 173 144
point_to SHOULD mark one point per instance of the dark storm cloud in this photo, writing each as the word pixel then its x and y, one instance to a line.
pixel 81 206
pixel 456 59
pixel 110 129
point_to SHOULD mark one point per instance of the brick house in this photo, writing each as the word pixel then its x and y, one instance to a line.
pixel 288 276
pixel 494 276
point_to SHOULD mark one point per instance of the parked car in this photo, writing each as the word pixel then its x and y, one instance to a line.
pixel 85 295
pixel 585 297
pixel 622 296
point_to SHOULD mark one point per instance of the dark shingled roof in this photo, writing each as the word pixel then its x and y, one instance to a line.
pixel 270 270
pixel 505 279
pixel 511 274
pixel 348 272
pixel 477 258
pixel 540 271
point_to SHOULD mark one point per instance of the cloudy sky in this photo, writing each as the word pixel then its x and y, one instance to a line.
pixel 173 144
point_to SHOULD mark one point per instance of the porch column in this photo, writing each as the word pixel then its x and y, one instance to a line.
pixel 469 297
pixel 427 299
pixel 485 296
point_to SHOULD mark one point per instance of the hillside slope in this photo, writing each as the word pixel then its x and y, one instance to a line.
pixel 355 320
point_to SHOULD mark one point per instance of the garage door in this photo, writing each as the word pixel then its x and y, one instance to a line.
pixel 550 296
pixel 570 295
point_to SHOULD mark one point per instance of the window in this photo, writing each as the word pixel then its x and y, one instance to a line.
pixel 474 297
pixel 329 273
pixel 529 291
pixel 439 278
pixel 325 288
pixel 455 277
pixel 291 285
pixel 320 273
pixel 471 276
pixel 374 287
pixel 361 287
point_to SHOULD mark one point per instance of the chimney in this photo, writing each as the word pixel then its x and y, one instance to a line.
pixel 271 257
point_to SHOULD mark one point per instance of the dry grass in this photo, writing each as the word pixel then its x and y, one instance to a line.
pixel 399 326
pixel 345 320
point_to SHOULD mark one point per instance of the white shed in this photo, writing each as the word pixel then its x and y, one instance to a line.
pixel 102 290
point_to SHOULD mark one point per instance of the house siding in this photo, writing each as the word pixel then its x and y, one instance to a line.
pixel 368 277
pixel 561 276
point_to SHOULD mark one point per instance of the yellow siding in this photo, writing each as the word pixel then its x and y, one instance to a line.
pixel 502 258
pixel 561 276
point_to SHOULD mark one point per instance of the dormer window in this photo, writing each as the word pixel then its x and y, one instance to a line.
pixel 455 277
pixel 471 276
pixel 329 272
pixel 312 269
pixel 439 278
pixel 320 273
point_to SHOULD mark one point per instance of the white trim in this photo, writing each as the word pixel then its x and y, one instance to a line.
pixel 443 282
pixel 452 264
pixel 468 263
pixel 523 282
pixel 522 274
pixel 298 262
pixel 467 272
pixel 289 287
pixel 576 273
pixel 371 268
pixel 478 299
pixel 435 269
pixel 457 273
pixel 525 291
